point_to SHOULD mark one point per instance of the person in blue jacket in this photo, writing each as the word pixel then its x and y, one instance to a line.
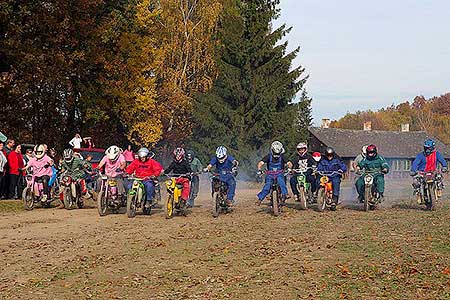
pixel 429 159
pixel 329 164
pixel 226 166
pixel 275 166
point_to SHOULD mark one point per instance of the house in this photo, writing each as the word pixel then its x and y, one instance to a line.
pixel 398 147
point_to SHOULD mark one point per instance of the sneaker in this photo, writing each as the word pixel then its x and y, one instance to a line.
pixel 229 203
pixel 360 199
pixel 258 202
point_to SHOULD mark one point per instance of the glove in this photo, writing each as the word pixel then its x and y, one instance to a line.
pixel 444 170
pixel 412 173
pixel 384 171
pixel 46 166
pixel 234 169
pixel 259 173
pixel 118 170
pixel 205 170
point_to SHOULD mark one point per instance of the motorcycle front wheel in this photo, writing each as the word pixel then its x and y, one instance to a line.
pixel 102 204
pixel 28 198
pixel 131 206
pixel 321 201
pixel 168 208
pixel 367 197
pixel 275 203
pixel 302 197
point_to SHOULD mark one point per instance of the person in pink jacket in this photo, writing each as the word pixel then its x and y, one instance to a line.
pixel 41 165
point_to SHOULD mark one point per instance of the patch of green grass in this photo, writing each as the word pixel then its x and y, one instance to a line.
pixel 11 206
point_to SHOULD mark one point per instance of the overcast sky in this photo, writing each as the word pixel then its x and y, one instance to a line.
pixel 369 54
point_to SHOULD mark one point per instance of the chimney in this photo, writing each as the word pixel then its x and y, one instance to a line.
pixel 367 126
pixel 325 123
pixel 405 127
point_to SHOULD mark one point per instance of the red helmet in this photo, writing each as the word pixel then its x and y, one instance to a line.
pixel 178 154
pixel 317 156
pixel 372 151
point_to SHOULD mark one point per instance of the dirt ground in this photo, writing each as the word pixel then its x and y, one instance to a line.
pixel 400 252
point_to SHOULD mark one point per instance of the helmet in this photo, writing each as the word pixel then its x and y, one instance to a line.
pixel 364 150
pixel 428 146
pixel 113 153
pixel 302 146
pixel 221 154
pixel 276 149
pixel 39 151
pixel 68 155
pixel 372 151
pixel 143 153
pixel 190 155
pixel 329 152
pixel 178 154
pixel 317 156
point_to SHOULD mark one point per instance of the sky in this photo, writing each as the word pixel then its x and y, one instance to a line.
pixel 363 55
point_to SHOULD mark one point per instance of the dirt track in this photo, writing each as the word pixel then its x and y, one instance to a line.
pixel 399 253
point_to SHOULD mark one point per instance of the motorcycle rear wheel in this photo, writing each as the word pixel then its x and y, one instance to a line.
pixel 28 198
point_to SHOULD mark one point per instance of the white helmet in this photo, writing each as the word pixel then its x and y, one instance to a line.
pixel 276 149
pixel 143 153
pixel 112 153
pixel 221 154
pixel 39 151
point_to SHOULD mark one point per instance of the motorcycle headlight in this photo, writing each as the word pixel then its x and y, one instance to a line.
pixel 368 179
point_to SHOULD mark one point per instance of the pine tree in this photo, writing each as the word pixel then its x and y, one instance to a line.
pixel 251 103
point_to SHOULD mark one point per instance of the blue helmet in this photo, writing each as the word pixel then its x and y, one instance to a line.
pixel 428 146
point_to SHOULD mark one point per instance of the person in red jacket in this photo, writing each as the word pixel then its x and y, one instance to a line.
pixel 15 162
pixel 145 168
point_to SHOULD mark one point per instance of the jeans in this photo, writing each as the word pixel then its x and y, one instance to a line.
pixel 269 180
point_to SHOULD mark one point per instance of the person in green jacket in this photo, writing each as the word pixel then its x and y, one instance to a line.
pixel 196 167
pixel 372 162
pixel 75 167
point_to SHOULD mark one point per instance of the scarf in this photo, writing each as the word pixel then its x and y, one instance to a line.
pixel 431 162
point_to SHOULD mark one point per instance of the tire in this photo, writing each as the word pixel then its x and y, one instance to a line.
pixel 28 198
pixel 168 208
pixel 131 206
pixel 367 196
pixel 275 207
pixel 302 198
pixel 80 202
pixel 431 203
pixel 102 204
pixel 321 201
pixel 68 201
pixel 216 204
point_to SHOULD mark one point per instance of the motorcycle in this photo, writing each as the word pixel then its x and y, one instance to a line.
pixel 33 193
pixel 173 202
pixel 430 190
pixel 371 195
pixel 305 196
pixel 325 192
pixel 109 197
pixel 137 198
pixel 219 195
pixel 275 192
pixel 71 190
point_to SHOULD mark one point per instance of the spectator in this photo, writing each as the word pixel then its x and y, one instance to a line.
pixel 3 162
pixel 9 146
pixel 76 141
pixel 28 155
pixel 16 165
pixel 128 154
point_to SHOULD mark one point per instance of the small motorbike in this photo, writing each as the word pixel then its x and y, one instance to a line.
pixel 137 198
pixel 275 192
pixel 173 202
pixel 325 192
pixel 219 195
pixel 430 190
pixel 33 193
pixel 371 195
pixel 71 190
pixel 305 196
pixel 109 197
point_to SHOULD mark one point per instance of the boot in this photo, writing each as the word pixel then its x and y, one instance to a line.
pixel 283 200
pixel 335 199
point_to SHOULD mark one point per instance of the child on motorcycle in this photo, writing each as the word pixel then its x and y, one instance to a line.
pixel 114 163
pixel 226 166
pixel 180 166
pixel 41 165
pixel 75 166
pixel 275 163
pixel 372 162
pixel 145 168
pixel 427 161
pixel 333 167
pixel 305 162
